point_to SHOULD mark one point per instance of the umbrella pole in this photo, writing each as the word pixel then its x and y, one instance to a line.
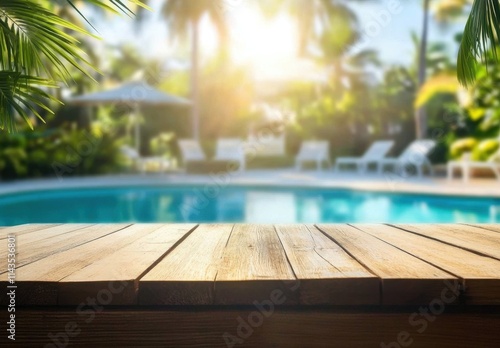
pixel 137 129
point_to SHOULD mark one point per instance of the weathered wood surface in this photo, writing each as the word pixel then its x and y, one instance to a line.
pixel 204 327
pixel 405 279
pixel 161 264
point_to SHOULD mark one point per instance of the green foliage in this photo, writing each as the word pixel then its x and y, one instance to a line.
pixel 485 149
pixel 481 34
pixel 161 145
pixel 37 46
pixel 461 146
pixel 59 153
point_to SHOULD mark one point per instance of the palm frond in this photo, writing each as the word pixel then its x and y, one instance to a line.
pixel 481 33
pixel 36 49
pixel 22 95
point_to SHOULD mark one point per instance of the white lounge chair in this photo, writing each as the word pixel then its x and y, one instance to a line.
pixel 266 146
pixel 415 155
pixel 230 149
pixel 376 152
pixel 313 151
pixel 191 151
pixel 142 163
pixel 466 166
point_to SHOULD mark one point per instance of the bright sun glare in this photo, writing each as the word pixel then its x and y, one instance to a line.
pixel 268 46
pixel 262 42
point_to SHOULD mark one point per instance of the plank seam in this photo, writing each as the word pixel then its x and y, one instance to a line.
pixel 214 288
pixel 481 227
pixel 168 251
pixel 381 281
pixel 445 242
pixel 74 246
pixel 461 287
pixel 44 227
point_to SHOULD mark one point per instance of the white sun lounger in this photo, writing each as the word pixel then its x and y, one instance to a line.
pixel 191 151
pixel 231 149
pixel 376 152
pixel 313 151
pixel 415 155
pixel 466 166
pixel 142 163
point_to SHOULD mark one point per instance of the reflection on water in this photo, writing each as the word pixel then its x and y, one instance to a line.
pixel 210 204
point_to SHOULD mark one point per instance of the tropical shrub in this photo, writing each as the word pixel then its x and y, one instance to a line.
pixel 58 153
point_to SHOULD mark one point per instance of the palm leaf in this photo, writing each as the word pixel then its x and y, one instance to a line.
pixel 481 33
pixel 22 94
pixel 36 47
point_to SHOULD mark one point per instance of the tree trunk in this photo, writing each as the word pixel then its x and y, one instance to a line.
pixel 420 114
pixel 195 94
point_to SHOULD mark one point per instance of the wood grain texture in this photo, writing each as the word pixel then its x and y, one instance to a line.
pixel 327 274
pixel 405 278
pixel 490 227
pixel 254 267
pixel 23 229
pixel 186 276
pixel 480 274
pixel 33 234
pixel 31 251
pixel 39 279
pixel 206 327
pixel 471 238
pixel 118 272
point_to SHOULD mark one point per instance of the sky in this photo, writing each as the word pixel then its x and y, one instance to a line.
pixel 386 26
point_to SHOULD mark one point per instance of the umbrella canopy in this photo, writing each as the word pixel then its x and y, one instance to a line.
pixel 133 94
pixel 139 93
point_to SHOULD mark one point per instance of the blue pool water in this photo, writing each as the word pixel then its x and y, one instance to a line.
pixel 239 204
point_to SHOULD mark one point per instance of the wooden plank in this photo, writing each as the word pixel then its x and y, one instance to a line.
pixel 489 227
pixel 38 281
pixel 120 270
pixel 254 267
pixel 187 274
pixel 327 274
pixel 23 229
pixel 35 235
pixel 209 327
pixel 28 252
pixel 467 237
pixel 481 274
pixel 405 278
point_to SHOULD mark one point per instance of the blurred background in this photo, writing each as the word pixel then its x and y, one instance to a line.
pixel 348 72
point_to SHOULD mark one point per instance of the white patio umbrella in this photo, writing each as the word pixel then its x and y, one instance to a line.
pixel 133 95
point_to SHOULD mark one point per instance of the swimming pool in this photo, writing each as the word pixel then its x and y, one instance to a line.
pixel 239 204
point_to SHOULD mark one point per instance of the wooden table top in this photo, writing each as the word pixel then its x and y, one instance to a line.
pixel 189 264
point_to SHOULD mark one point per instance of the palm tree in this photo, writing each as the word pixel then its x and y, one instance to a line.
pixel 32 35
pixel 183 16
pixel 420 113
pixel 443 11
pixel 336 44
